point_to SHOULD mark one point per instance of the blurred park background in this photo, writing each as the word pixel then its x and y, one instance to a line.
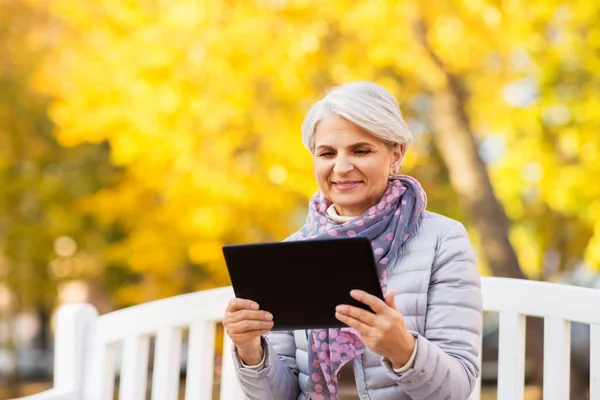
pixel 139 136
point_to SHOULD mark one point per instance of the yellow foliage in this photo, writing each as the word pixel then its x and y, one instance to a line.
pixel 528 250
pixel 205 252
pixel 201 104
pixel 592 253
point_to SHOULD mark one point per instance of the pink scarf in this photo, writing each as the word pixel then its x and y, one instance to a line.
pixel 388 224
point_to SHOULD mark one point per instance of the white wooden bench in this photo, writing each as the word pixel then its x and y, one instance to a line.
pixel 85 356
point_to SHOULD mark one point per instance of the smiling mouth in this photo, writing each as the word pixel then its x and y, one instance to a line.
pixel 346 185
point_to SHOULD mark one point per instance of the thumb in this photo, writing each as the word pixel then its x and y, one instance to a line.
pixel 389 298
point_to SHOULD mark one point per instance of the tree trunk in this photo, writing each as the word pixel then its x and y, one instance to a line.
pixel 469 177
pixel 456 143
pixel 454 140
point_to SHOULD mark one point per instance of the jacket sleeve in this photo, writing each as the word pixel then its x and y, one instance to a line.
pixel 446 365
pixel 278 379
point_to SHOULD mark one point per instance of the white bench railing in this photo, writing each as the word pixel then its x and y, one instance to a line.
pixel 85 344
pixel 559 305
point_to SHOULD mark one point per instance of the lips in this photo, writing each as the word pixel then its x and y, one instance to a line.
pixel 346 185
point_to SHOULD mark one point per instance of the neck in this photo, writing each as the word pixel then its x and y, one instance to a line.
pixel 342 213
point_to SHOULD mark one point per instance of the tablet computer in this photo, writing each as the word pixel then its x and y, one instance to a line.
pixel 302 282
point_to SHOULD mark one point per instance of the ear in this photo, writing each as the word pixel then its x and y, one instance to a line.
pixel 398 153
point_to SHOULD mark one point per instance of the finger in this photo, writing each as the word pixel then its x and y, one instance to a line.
pixel 242 315
pixel 246 326
pixel 247 335
pixel 364 316
pixel 241 304
pixel 389 297
pixel 259 332
pixel 354 323
pixel 377 305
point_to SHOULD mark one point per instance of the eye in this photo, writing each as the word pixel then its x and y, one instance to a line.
pixel 327 154
pixel 363 152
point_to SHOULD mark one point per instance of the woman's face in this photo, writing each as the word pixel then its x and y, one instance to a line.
pixel 351 165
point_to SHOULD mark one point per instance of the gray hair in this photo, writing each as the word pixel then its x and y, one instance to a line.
pixel 365 104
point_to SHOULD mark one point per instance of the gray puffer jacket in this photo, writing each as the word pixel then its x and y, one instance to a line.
pixel 438 292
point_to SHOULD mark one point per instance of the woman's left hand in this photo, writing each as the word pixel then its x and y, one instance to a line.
pixel 383 330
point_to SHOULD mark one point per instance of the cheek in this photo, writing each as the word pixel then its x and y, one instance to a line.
pixel 321 171
pixel 378 176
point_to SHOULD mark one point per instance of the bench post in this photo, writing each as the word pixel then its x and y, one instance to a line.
pixel 74 323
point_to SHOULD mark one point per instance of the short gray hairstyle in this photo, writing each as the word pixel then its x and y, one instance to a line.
pixel 365 104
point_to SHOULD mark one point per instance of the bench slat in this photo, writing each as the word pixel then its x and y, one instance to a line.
pixel 230 388
pixel 165 377
pixel 101 374
pixel 200 368
pixel 134 368
pixel 557 358
pixel 511 356
pixel 594 362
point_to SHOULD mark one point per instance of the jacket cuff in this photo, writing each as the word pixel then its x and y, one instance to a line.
pixel 416 369
pixel 257 370
pixel 411 361
pixel 260 364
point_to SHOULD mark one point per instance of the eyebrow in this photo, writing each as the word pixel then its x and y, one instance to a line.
pixel 352 146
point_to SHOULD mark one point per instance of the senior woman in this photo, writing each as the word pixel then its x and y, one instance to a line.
pixel 422 342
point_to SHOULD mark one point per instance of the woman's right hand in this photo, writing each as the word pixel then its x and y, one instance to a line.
pixel 245 323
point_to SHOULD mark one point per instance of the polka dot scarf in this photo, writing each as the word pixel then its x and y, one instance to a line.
pixel 388 224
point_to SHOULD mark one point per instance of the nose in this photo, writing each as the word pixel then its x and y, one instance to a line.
pixel 342 166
